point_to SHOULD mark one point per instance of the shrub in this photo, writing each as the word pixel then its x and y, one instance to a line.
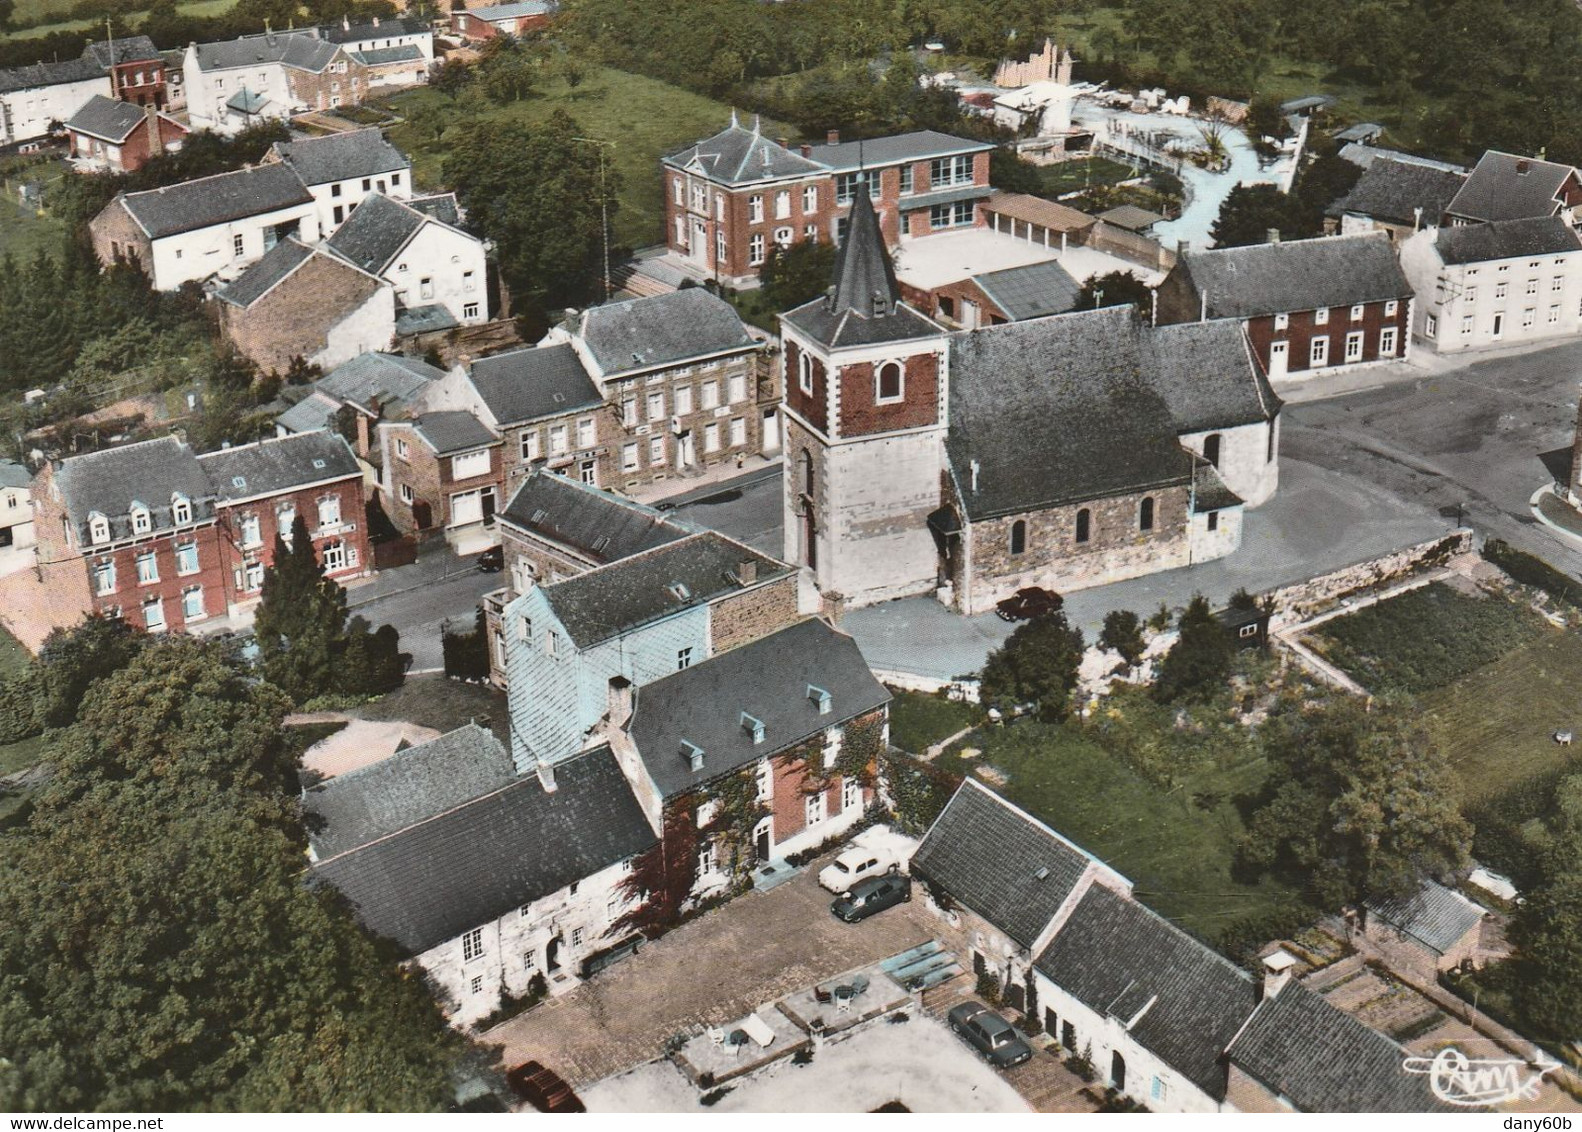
pixel 988 988
pixel 709 1100
pixel 1198 664
pixel 22 706
pixel 1123 633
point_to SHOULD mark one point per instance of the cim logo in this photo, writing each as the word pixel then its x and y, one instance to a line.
pixel 1469 1082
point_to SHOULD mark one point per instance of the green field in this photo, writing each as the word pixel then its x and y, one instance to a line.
pixel 918 721
pixel 28 11
pixel 642 118
pixel 23 231
pixel 1072 176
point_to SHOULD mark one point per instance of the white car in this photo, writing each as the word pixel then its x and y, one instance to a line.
pixel 854 864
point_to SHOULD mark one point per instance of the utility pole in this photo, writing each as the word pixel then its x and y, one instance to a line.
pixel 604 212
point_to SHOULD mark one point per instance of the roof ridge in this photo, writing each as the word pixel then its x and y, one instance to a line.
pixel 1046 827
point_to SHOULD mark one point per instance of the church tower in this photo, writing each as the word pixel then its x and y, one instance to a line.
pixel 867 380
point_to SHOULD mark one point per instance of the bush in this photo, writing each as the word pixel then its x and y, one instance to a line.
pixel 467 654
pixel 22 706
pixel 988 988
pixel 1198 664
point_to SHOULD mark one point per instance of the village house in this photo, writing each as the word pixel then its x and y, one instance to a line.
pixel 34 97
pixel 1497 283
pixel 169 539
pixel 392 52
pixel 342 170
pixel 426 260
pixel 442 470
pixel 1506 186
pixel 1399 196
pixel 215 225
pixel 120 137
pixel 300 302
pixel 137 70
pixel 16 518
pixel 1425 933
pixel 488 22
pixel 491 884
pixel 374 386
pixel 731 197
pixel 965 280
pixel 1308 306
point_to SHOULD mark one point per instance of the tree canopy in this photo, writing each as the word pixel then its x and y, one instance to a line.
pixel 1198 664
pixel 1037 664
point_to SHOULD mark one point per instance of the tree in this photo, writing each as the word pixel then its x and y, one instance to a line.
pixel 796 273
pixel 1248 214
pixel 1123 633
pixel 1010 174
pixel 1547 929
pixel 73 659
pixel 7 11
pixel 1264 119
pixel 301 619
pixel 1198 664
pixel 1037 664
pixel 1360 804
pixel 1115 289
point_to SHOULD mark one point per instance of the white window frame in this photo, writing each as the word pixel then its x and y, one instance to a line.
pixel 878 384
pixel 1387 342
pixel 735 388
pixel 809 198
pixel 586 434
pixel 1321 316
pixel 187 601
pixel 142 520
pixel 472 945
pixel 656 451
pixel 755 209
pixel 850 794
pixel 711 436
pixel 1431 326
pixel 151 610
pixel 805 373
pixel 655 405
pixel 183 551
pixel 1318 352
pixel 815 809
pixel 630 461
pixel 1354 342
pixel 1356 312
pixel 104 577
pixel 681 397
pixel 1391 306
pixel 756 249
pixel 1282 321
pixel 711 394
pixel 329 511
pixel 147 568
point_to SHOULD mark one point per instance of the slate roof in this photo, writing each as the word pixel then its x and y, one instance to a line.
pixel 871 153
pixel 378 56
pixel 441 206
pixel 410 786
pixel 340 157
pixel 107 118
pixel 271 466
pixel 738 156
pixel 1207 375
pixel 594 523
pixel 988 854
pixel 263 276
pixel 1436 916
pixel 1071 389
pixel 376 375
pixel 539 381
pixel 661 330
pixel 1506 186
pixel 1209 491
pixel 1031 291
pixel 1036 210
pixel 1362 131
pixel 1321 1059
pixel 127 49
pixel 1177 998
pixel 768 679
pixel 36 75
pixel 394 28
pixel 1365 155
pixel 376 231
pixel 191 205
pixel 303 51
pixel 150 473
pixel 13 474
pixel 424 319
pixel 1130 217
pixel 315 411
pixel 606 602
pixel 454 431
pixel 513 11
pixel 1506 239
pixel 1296 275
pixel 434 880
pixel 1392 191
pixel 247 101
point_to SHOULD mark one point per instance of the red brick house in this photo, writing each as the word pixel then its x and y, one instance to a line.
pixel 121 137
pixel 481 24
pixel 169 539
pixel 442 471
pixel 1307 305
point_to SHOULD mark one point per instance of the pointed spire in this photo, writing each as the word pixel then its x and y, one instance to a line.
pixel 864 276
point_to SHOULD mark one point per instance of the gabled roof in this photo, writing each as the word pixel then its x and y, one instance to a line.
pixel 394 28
pixel 586 520
pixel 376 231
pixel 219 199
pixel 150 473
pixel 1296 275
pixel 301 50
pixel 264 276
pixel 271 466
pixel 470 865
pixel 870 153
pixel 410 786
pixel 1506 239
pixel 769 680
pixel 1031 291
pixel 108 119
pixel 341 157
pixel 454 431
pixel 514 11
pixel 1321 1059
pixel 1207 375
pixel 1394 191
pixel 378 376
pixel 441 206
pixel 122 49
pixel 1174 996
pixel 1071 389
pixel 247 101
pixel 315 411
pixel 379 56
pixel 1209 491
pixel 1506 186
pixel 1130 217
pixel 13 474
pixel 645 587
pixel 738 156
pixel 1000 862
pixel 36 75
pixel 1036 210
pixel 531 383
pixel 1435 916
pixel 661 330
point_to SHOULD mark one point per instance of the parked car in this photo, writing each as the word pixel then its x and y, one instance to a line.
pixel 855 864
pixel 491 561
pixel 543 1088
pixel 1029 602
pixel 870 897
pixel 989 1034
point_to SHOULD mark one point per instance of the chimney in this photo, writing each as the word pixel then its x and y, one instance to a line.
pixel 546 777
pixel 975 468
pixel 1276 972
pixel 346 22
pixel 807 150
pixel 620 701
pixel 833 137
pixel 1523 167
pixel 1272 236
pixel 748 571
pixel 1202 307
pixel 693 754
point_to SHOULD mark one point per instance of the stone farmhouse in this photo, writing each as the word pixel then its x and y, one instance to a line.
pixel 906 445
pixel 731 197
pixel 120 137
pixel 1395 194
pixel 169 539
pixel 343 170
pixel 490 21
pixel 33 97
pixel 1425 933
pixel 1308 306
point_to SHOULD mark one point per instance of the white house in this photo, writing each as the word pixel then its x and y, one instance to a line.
pixel 16 518
pixel 428 261
pixel 342 170
pixel 1502 283
pixel 32 97
pixel 239 82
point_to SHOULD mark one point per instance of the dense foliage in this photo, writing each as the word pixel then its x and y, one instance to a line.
pixel 1114 289
pixel 1037 664
pixel 1123 632
pixel 1198 664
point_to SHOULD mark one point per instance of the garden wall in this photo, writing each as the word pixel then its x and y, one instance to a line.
pixel 1297 603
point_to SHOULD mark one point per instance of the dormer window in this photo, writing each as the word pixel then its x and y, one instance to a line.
pixel 180 509
pixel 820 698
pixel 693 754
pixel 98 528
pixel 142 520
pixel 754 727
pixel 680 591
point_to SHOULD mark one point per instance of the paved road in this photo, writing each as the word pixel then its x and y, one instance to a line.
pixel 420 598
pixel 746 508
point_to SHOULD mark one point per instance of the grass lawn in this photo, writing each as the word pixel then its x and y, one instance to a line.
pixel 22 230
pixel 29 11
pixel 917 721
pixel 13 657
pixel 20 756
pixel 1175 846
pixel 1071 176
pixel 643 118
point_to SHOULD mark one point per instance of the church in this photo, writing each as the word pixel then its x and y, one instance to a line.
pixel 1068 451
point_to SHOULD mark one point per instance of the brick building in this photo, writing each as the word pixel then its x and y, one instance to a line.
pixel 442 471
pixel 1508 186
pixel 730 198
pixel 169 539
pixel 1308 306
pixel 376 386
pixel 120 137
pixel 129 69
pixel 491 21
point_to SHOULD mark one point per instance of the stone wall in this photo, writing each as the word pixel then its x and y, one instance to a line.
pixel 116 234
pixel 1296 603
pixel 324 312
pixel 1248 458
pixel 419 470
pixel 752 614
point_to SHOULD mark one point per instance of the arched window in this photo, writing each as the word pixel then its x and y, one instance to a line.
pixel 1117 1071
pixel 807 472
pixel 1145 515
pixel 1211 448
pixel 1084 524
pixel 889 383
pixel 804 369
pixel 1018 536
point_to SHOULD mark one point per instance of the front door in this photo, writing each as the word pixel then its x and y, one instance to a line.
pixel 488 505
pixel 1279 359
pixel 763 840
pixel 771 432
pixel 552 954
pixel 686 453
pixel 699 249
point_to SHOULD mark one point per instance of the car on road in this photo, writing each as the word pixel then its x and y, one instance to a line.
pixel 855 864
pixel 989 1034
pixel 491 561
pixel 543 1088
pixel 1029 602
pixel 870 897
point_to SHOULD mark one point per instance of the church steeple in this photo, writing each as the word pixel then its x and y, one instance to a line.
pixel 864 280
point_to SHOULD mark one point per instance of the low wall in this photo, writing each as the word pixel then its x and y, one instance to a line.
pixel 1296 603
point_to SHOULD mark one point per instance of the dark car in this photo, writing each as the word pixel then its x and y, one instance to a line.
pixel 989 1034
pixel 543 1088
pixel 491 561
pixel 1029 602
pixel 872 896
